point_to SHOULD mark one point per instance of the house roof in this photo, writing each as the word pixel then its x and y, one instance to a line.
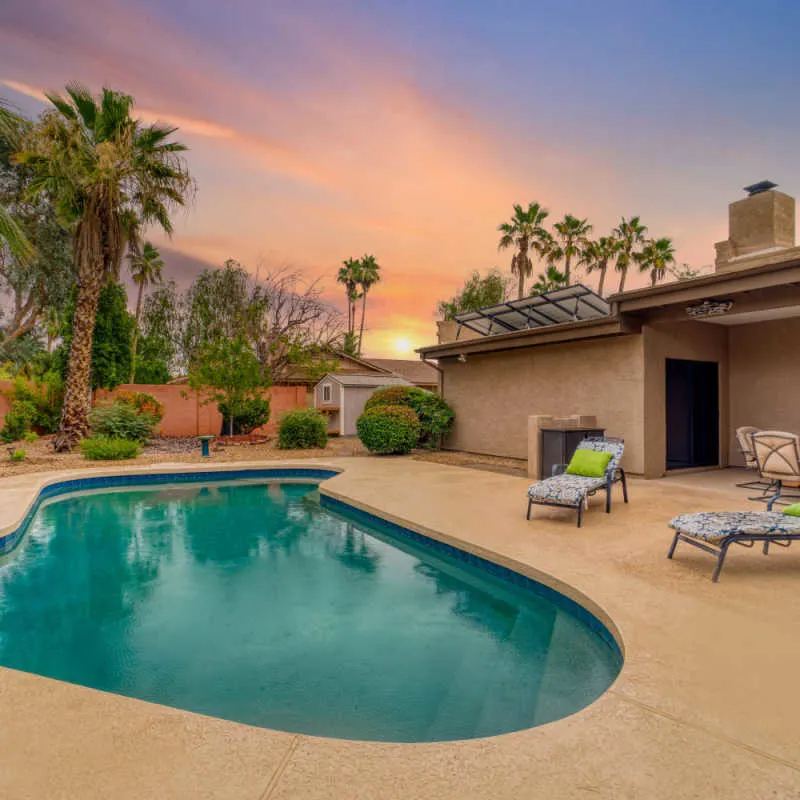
pixel 411 369
pixel 351 379
pixel 762 286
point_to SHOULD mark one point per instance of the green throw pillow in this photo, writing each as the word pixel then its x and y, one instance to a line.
pixel 793 510
pixel 589 463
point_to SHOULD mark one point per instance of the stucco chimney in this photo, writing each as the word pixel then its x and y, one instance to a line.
pixel 761 223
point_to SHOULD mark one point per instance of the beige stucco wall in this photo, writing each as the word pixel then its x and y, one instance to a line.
pixel 690 340
pixel 765 376
pixel 493 395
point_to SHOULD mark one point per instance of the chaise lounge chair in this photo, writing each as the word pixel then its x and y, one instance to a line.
pixel 715 532
pixel 573 491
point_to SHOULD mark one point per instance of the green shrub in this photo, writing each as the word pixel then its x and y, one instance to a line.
pixel 19 420
pixel 302 429
pixel 18 454
pixel 142 403
pixel 108 448
pixel 33 406
pixel 252 413
pixel 31 436
pixel 122 421
pixel 435 416
pixel 388 429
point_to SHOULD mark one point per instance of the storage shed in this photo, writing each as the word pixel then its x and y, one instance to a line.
pixel 342 397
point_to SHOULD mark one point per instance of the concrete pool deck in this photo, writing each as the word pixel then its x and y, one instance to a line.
pixel 706 705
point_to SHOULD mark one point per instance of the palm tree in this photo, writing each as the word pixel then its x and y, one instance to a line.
pixel 109 174
pixel 596 254
pixel 368 275
pixel 549 281
pixel 525 232
pixel 146 266
pixel 12 128
pixel 349 274
pixel 629 234
pixel 657 256
pixel 571 233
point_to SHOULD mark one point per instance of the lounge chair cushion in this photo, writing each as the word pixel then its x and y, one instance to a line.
pixel 589 463
pixel 564 489
pixel 714 526
pixel 792 510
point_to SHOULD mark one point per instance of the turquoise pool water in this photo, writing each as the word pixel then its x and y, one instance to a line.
pixel 252 602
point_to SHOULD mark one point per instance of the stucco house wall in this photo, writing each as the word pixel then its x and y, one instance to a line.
pixel 695 341
pixel 494 394
pixel 765 376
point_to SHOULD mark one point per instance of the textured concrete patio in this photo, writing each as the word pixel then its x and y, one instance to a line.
pixel 706 704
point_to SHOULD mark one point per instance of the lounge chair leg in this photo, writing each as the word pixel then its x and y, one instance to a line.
pixel 608 497
pixel 530 503
pixel 774 499
pixel 674 544
pixel 720 561
pixel 624 485
pixel 766 547
pixel 580 513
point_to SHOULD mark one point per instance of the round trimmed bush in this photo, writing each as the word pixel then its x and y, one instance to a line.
pixel 302 429
pixel 435 416
pixel 388 429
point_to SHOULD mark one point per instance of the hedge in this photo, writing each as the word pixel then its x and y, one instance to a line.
pixel 302 429
pixel 388 429
pixel 435 416
pixel 108 448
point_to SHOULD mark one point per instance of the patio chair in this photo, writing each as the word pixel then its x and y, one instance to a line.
pixel 715 532
pixel 744 443
pixel 573 491
pixel 777 455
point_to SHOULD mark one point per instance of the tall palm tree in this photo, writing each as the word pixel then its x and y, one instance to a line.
pixel 657 256
pixel 146 267
pixel 348 275
pixel 109 174
pixel 369 274
pixel 525 233
pixel 595 256
pixel 12 129
pixel 571 233
pixel 629 233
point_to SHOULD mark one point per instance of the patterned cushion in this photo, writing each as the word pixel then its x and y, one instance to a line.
pixel 714 526
pixel 564 489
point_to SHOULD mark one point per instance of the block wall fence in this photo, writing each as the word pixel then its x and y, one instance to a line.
pixel 184 412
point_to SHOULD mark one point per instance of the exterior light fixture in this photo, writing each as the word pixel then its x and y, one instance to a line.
pixel 462 359
pixel 709 308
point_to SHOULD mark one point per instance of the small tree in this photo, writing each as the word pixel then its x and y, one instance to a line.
pixel 227 372
pixel 478 292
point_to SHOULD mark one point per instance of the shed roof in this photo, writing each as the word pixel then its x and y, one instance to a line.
pixel 346 379
pixel 412 369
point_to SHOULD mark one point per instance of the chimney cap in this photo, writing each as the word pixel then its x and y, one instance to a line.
pixel 761 186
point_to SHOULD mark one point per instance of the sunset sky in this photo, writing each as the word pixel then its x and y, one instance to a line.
pixel 322 130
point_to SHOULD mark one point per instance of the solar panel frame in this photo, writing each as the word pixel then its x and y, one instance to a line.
pixel 561 306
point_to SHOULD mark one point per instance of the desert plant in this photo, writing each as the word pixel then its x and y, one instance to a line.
pixel 17 454
pixel 388 429
pixel 19 419
pixel 31 437
pixel 251 414
pixel 108 448
pixel 142 403
pixel 434 414
pixel 121 421
pixel 303 428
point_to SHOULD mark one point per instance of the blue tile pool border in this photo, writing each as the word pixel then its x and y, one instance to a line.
pixel 566 604
pixel 10 540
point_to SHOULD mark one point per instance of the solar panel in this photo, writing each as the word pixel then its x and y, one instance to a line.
pixel 570 304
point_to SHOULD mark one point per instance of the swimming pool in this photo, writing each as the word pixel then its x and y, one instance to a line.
pixel 253 601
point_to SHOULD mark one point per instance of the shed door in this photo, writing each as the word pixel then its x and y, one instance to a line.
pixel 692 395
